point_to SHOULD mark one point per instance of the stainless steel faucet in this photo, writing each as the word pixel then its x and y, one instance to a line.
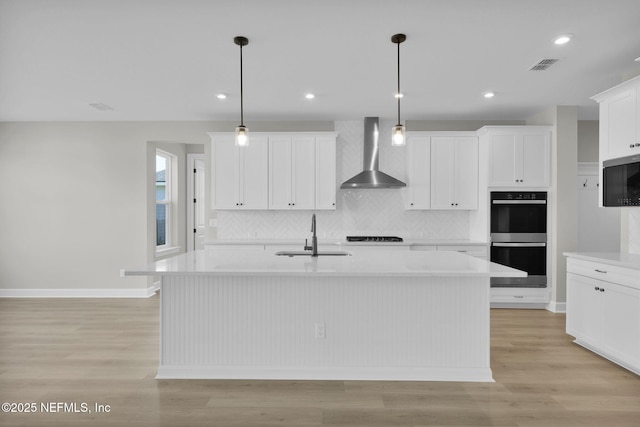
pixel 314 238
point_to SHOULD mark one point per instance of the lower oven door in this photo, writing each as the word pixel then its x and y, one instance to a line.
pixel 529 257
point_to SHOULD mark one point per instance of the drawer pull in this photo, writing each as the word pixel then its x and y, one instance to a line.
pixel 601 289
pixel 518 296
pixel 597 288
pixel 600 271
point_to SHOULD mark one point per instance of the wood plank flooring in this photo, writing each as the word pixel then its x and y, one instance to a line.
pixel 105 351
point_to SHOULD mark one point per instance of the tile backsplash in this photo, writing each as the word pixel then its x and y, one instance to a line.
pixel 358 212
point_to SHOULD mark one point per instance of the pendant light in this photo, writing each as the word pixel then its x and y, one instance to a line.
pixel 398 134
pixel 242 132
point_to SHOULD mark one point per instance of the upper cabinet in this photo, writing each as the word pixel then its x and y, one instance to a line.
pixel 292 172
pixel 442 171
pixel 519 156
pixel 620 120
pixel 454 172
pixel 239 174
pixel 418 179
pixel 325 183
pixel 277 171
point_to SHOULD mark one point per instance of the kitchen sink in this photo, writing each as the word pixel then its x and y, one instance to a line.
pixel 308 253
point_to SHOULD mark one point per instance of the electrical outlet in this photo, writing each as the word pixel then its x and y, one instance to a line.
pixel 321 330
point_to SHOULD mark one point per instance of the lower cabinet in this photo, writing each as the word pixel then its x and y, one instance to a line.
pixel 603 310
pixel 477 251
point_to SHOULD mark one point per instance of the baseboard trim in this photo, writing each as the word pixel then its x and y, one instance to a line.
pixel 326 373
pixel 557 307
pixel 80 293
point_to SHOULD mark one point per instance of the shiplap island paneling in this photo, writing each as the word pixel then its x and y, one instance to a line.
pixel 382 315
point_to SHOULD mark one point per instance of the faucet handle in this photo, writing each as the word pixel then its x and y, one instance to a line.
pixel 306 246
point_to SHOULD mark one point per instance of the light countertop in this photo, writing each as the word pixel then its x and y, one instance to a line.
pixel 229 262
pixel 343 242
pixel 611 258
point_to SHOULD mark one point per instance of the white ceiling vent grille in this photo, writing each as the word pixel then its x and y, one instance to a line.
pixel 543 64
pixel 100 106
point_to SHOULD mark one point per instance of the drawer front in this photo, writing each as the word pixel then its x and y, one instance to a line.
pixel 520 295
pixel 475 251
pixel 606 272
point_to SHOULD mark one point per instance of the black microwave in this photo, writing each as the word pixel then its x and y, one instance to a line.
pixel 621 181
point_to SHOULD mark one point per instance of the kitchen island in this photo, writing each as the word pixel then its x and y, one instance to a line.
pixel 384 315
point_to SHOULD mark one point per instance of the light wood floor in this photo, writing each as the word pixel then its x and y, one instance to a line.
pixel 105 351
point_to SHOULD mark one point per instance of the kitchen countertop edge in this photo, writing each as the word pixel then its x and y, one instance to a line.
pixel 338 242
pixel 619 259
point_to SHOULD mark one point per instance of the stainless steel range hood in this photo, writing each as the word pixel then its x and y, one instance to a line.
pixel 371 177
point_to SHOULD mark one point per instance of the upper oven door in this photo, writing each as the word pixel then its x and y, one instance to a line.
pixel 525 218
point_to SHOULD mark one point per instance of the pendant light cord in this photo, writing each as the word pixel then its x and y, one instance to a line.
pixel 398 93
pixel 241 91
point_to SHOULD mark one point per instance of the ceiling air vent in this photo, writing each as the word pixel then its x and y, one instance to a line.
pixel 543 64
pixel 100 106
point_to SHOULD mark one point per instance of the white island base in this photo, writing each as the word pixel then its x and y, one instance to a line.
pixel 332 318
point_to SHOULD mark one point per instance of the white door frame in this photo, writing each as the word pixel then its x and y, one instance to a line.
pixel 191 158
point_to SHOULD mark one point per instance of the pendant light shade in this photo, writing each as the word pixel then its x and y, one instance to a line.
pixel 399 132
pixel 399 135
pixel 242 132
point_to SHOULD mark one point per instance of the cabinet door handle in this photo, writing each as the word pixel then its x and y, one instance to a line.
pixel 632 145
pixel 601 289
pixel 600 271
pixel 597 288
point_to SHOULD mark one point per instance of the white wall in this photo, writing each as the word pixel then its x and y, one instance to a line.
pixel 76 204
pixel 588 138
pixel 563 197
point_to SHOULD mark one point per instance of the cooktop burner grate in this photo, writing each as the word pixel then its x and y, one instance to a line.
pixel 374 239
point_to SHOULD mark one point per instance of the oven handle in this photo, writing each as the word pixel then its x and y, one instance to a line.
pixel 519 245
pixel 519 202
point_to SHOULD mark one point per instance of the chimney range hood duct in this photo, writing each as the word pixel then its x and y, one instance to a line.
pixel 371 177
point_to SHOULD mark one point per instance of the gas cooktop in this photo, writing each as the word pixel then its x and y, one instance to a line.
pixel 374 239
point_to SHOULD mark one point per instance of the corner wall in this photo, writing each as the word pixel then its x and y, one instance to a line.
pixel 563 196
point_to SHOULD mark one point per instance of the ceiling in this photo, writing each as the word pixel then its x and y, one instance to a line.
pixel 167 60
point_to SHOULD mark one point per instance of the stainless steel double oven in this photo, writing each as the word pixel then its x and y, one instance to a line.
pixel 519 237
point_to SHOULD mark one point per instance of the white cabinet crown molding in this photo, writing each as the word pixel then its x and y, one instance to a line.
pixel 619 88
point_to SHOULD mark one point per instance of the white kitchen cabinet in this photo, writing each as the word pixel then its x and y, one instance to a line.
pixel 239 174
pixel 418 177
pixel 603 310
pixel 292 172
pixel 278 170
pixel 325 167
pixel 519 156
pixel 619 120
pixel 454 172
pixel 476 251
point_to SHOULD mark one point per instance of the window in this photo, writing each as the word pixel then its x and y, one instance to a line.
pixel 163 199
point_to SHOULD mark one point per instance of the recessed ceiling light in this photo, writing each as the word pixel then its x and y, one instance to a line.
pixel 563 39
pixel 398 95
pixel 221 96
pixel 309 96
pixel 489 94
